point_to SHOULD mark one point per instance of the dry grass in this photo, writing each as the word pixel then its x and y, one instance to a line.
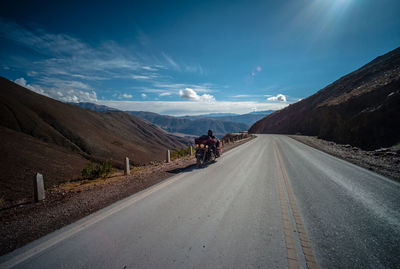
pixel 114 177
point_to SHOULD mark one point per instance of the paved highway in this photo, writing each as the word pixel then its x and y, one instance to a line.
pixel 270 203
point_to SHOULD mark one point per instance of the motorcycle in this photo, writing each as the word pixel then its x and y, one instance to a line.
pixel 206 150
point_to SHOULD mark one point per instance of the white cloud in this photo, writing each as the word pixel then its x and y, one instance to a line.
pixel 139 77
pixel 63 94
pixel 245 95
pixel 180 108
pixel 171 61
pixel 152 90
pixel 144 96
pixel 126 96
pixel 144 77
pixel 198 88
pixel 149 68
pixel 207 98
pixel 190 94
pixel 67 62
pixel 194 69
pixel 66 55
pixel 22 82
pixel 280 97
pixel 248 96
pixel 32 73
pixel 165 94
pixel 241 96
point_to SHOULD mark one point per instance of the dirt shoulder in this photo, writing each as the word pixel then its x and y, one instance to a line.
pixel 382 161
pixel 70 202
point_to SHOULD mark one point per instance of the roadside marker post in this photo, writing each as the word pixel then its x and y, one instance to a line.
pixel 191 151
pixel 38 188
pixel 127 167
pixel 168 157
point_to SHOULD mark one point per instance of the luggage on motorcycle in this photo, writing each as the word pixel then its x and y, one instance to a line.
pixel 202 139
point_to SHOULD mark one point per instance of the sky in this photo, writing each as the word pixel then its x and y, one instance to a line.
pixel 191 57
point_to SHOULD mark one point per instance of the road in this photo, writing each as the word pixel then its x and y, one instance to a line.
pixel 270 203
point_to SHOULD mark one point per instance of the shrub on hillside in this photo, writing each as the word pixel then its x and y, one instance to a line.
pixel 100 170
pixel 178 153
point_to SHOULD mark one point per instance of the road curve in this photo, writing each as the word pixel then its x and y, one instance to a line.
pixel 270 203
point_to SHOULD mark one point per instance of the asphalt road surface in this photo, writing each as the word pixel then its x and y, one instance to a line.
pixel 270 203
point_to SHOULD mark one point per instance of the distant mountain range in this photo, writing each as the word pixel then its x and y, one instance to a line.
pixel 95 107
pixel 214 115
pixel 361 108
pixel 247 119
pixel 40 134
pixel 188 126
pixel 220 123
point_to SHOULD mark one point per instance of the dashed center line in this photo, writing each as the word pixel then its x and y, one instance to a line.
pixel 301 235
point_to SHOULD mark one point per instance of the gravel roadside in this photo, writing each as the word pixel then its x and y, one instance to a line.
pixel 70 202
pixel 385 161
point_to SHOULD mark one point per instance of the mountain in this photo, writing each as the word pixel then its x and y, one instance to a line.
pixel 95 107
pixel 247 119
pixel 265 112
pixel 191 127
pixel 43 135
pixel 210 115
pixel 361 108
pixel 221 123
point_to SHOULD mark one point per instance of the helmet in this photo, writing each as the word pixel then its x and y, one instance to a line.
pixel 210 133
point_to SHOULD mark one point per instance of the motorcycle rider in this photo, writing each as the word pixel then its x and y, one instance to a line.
pixel 215 143
pixel 210 134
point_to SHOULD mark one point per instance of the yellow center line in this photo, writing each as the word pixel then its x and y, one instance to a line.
pixel 287 227
pixel 302 235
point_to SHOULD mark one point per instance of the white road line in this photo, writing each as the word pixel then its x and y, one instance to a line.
pixel 55 240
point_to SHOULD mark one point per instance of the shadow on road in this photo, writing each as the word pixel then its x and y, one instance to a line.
pixel 188 168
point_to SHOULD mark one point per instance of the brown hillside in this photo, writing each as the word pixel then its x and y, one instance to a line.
pixel 40 134
pixel 361 108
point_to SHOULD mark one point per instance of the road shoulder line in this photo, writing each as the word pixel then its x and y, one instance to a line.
pixel 12 259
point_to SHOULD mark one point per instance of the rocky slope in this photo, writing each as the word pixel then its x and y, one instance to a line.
pixel 43 135
pixel 361 108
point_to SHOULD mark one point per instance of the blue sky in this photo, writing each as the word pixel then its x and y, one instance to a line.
pixel 191 57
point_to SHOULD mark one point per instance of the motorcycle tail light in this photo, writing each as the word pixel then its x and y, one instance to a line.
pixel 201 146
